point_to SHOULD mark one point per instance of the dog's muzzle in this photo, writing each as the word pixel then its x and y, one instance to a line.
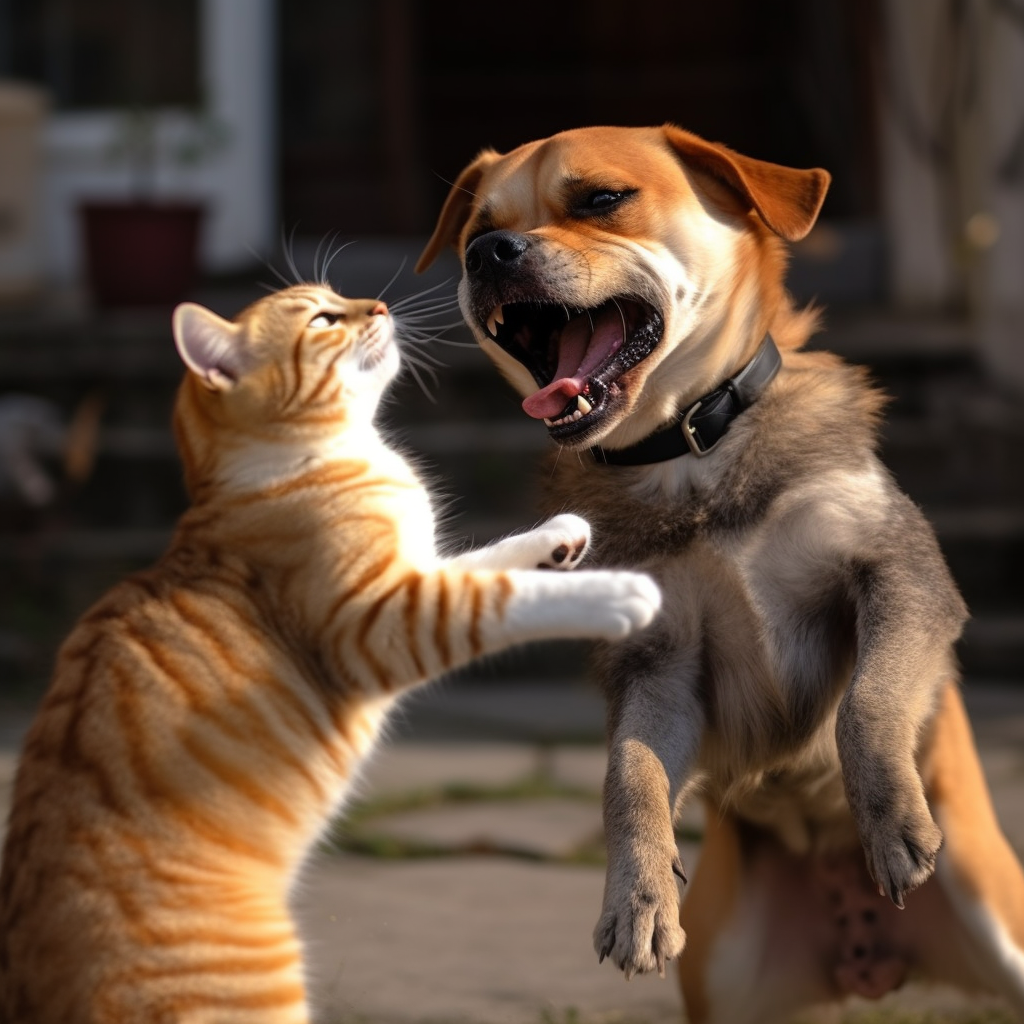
pixel 576 353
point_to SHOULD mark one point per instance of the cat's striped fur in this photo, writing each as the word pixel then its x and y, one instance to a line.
pixel 206 715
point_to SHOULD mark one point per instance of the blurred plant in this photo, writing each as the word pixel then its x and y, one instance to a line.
pixel 149 140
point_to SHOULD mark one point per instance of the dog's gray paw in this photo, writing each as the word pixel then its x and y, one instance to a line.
pixel 561 542
pixel 901 852
pixel 639 930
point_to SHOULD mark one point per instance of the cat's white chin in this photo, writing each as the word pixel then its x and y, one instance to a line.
pixel 384 362
pixel 378 351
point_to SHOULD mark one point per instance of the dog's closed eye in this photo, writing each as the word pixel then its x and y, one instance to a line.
pixel 598 202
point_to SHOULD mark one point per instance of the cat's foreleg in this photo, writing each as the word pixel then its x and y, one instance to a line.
pixel 560 543
pixel 428 623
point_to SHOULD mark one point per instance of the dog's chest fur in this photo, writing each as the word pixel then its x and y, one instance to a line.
pixel 754 548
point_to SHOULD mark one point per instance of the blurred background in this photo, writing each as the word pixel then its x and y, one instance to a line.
pixel 153 150
pixel 156 149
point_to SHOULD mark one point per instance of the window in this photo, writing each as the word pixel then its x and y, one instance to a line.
pixel 104 53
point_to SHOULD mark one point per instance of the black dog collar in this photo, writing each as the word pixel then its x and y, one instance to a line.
pixel 700 426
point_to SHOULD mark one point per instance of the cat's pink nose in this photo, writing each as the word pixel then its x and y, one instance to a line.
pixel 380 309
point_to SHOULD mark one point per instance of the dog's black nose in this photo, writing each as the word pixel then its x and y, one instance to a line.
pixel 495 254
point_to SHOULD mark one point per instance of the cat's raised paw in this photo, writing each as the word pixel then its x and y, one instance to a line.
pixel 618 603
pixel 561 542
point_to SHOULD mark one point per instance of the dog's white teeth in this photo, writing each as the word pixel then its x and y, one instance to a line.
pixel 581 410
pixel 496 317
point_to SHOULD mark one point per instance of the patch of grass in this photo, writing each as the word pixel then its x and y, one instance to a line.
pixel 353 833
pixel 535 786
pixel 570 1015
pixel 903 1015
pixel 985 1016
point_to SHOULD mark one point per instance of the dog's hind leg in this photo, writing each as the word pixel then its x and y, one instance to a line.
pixel 758 944
pixel 977 872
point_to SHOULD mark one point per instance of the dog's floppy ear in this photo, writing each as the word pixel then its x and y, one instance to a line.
pixel 786 199
pixel 455 211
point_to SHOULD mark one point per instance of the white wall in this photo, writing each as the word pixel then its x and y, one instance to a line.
pixel 1001 303
pixel 236 179
pixel 956 224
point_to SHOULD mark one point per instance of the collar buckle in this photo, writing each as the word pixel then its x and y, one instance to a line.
pixel 690 435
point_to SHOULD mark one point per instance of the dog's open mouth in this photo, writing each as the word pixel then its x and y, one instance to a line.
pixel 576 355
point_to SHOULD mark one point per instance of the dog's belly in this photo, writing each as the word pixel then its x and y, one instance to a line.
pixel 773 667
pixel 821 909
pixel 803 803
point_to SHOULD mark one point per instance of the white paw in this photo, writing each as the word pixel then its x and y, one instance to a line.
pixel 600 604
pixel 620 602
pixel 560 543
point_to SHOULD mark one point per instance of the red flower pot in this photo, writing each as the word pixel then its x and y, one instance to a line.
pixel 140 253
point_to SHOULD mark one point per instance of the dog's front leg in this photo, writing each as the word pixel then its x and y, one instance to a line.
pixel 655 723
pixel 906 625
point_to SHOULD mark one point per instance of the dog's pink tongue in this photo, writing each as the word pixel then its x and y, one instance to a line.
pixel 580 352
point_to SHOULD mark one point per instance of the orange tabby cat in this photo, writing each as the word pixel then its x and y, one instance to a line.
pixel 207 714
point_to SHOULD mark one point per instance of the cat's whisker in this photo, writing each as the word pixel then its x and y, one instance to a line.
pixel 288 247
pixel 428 325
pixel 422 338
pixel 427 305
pixel 426 311
pixel 455 344
pixel 316 258
pixel 418 295
pixel 419 380
pixel 424 357
pixel 424 297
pixel 424 364
pixel 270 266
pixel 421 312
pixel 324 253
pixel 428 333
pixel 394 277
pixel 334 255
pixel 434 336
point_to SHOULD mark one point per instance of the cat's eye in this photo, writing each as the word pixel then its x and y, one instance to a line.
pixel 326 319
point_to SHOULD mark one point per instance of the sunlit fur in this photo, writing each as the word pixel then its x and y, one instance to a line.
pixel 207 716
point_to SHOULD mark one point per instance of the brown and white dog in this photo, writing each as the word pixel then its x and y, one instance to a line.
pixel 629 283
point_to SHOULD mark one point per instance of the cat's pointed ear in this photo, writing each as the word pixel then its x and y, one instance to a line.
pixel 208 345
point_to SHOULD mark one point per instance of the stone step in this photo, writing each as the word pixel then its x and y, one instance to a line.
pixel 951 439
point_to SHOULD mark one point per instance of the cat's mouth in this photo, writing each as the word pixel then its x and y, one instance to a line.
pixel 576 355
pixel 375 340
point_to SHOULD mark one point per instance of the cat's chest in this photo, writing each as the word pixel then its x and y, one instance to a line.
pixel 402 497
